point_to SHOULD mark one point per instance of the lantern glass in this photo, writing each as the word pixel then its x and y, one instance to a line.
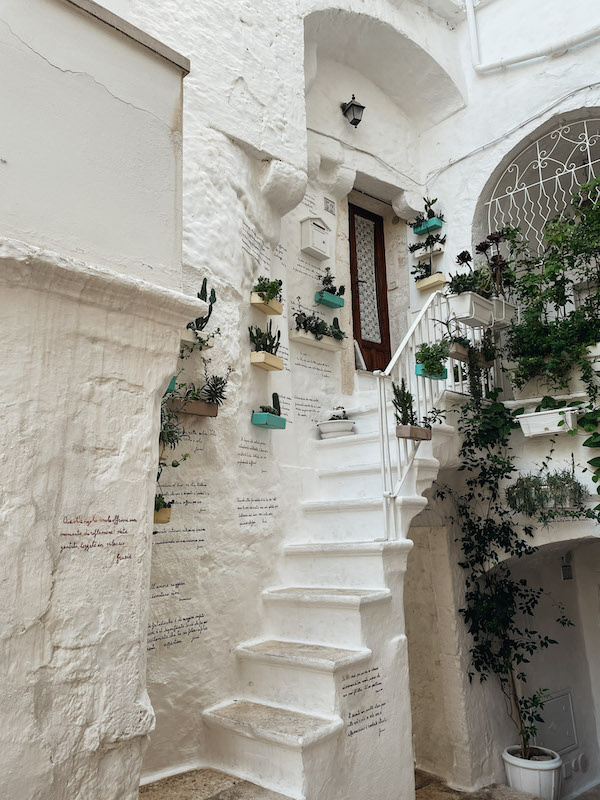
pixel 353 111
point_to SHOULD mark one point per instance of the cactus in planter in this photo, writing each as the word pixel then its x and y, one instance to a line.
pixel 275 409
pixel 335 331
pixel 264 341
pixel 201 322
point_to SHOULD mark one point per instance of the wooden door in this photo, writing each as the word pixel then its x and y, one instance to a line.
pixel 369 288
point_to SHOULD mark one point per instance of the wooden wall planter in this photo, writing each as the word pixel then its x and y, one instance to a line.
pixel 433 224
pixel 328 299
pixel 326 343
pixel 432 282
pixel 265 420
pixel 266 361
pixel 162 516
pixel 197 407
pixel 415 432
pixel 272 307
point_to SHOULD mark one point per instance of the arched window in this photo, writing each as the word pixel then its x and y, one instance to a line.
pixel 537 184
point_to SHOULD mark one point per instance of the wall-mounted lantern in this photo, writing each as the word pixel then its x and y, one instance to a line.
pixel 353 111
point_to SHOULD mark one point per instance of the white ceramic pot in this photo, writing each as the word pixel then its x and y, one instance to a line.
pixel 545 423
pixel 472 309
pixel 541 778
pixel 334 428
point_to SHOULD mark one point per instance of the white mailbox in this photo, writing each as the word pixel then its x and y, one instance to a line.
pixel 315 237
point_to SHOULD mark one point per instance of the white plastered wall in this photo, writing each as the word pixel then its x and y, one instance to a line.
pixel 90 263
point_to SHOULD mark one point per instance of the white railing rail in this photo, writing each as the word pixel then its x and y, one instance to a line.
pixel 428 327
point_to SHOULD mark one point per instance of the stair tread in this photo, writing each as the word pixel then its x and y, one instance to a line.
pixel 376 546
pixel 374 466
pixel 312 594
pixel 303 654
pixel 360 504
pixel 272 723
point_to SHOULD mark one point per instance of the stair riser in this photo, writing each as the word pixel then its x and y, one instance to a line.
pixel 349 486
pixel 352 525
pixel 278 768
pixel 300 689
pixel 329 624
pixel 356 571
pixel 354 451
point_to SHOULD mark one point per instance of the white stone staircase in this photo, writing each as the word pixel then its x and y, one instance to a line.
pixel 323 711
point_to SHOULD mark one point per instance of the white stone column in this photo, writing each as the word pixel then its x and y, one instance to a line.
pixel 87 354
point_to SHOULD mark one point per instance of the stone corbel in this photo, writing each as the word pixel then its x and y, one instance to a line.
pixel 283 186
pixel 407 204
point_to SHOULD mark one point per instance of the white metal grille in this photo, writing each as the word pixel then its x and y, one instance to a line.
pixel 537 185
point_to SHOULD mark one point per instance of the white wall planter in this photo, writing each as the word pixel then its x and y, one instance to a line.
pixel 504 312
pixel 272 307
pixel 540 778
pixel 472 309
pixel 326 343
pixel 334 428
pixel 546 423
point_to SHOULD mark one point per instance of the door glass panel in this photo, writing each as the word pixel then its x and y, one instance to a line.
pixel 367 287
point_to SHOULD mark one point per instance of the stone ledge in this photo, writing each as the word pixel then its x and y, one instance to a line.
pixel 138 35
pixel 28 267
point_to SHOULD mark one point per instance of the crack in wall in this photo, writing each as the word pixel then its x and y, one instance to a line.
pixel 85 75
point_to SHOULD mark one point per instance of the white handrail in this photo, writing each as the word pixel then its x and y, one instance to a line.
pixel 428 327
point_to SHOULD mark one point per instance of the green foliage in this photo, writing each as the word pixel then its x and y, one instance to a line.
pixel 311 323
pixel 403 404
pixel 213 390
pixel 268 290
pixel 201 322
pixel 548 495
pixel 328 284
pixel 424 267
pixel 265 341
pixel 160 502
pixel 497 604
pixel 494 276
pixel 427 213
pixel 433 356
pixel 341 413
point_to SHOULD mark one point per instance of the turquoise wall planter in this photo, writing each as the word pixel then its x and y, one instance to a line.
pixel 329 300
pixel 433 224
pixel 420 370
pixel 265 420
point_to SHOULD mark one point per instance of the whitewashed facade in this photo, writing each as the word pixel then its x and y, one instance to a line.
pixel 126 186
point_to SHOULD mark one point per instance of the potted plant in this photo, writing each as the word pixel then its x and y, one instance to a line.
pixel 407 425
pixel 469 293
pixel 329 294
pixel 429 220
pixel 266 345
pixel 270 416
pixel 171 433
pixel 550 417
pixel 202 401
pixel 431 359
pixel 194 329
pixel 336 425
pixel 313 330
pixel 547 494
pixel 266 296
pixel 427 249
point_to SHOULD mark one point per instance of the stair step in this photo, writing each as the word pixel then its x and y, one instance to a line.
pixel 346 598
pixel 303 654
pixel 345 564
pixel 205 784
pixel 272 724
pixel 337 506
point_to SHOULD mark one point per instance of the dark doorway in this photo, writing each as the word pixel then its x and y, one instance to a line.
pixel 369 288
